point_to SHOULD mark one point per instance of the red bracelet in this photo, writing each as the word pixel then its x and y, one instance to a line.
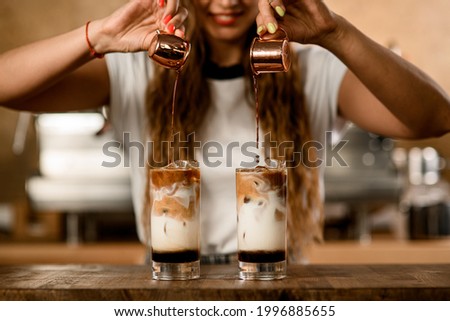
pixel 92 51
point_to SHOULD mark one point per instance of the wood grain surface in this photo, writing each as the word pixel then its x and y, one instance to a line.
pixel 218 283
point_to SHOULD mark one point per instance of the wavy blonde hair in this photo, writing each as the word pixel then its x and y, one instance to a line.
pixel 282 113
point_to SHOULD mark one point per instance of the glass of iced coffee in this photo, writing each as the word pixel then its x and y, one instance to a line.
pixel 175 221
pixel 262 216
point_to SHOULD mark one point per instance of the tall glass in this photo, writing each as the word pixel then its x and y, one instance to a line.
pixel 175 221
pixel 261 212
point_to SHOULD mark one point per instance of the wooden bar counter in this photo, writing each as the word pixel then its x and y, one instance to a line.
pixel 220 282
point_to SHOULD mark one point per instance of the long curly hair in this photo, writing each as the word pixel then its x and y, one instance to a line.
pixel 282 114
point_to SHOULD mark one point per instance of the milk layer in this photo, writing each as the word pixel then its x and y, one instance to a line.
pixel 258 226
pixel 175 219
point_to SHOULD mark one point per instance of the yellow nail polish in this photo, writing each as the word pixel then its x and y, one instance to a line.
pixel 280 11
pixel 259 30
pixel 271 27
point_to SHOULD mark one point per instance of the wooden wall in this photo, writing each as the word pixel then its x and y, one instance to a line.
pixel 421 29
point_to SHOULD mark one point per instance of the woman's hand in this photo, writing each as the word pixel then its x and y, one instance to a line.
pixel 305 21
pixel 132 27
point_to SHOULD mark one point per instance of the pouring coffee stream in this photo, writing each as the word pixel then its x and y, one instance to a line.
pixel 171 52
pixel 267 56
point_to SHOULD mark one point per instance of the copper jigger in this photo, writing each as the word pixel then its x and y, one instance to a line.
pixel 168 50
pixel 270 55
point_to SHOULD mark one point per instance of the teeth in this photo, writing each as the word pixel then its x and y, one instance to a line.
pixel 225 17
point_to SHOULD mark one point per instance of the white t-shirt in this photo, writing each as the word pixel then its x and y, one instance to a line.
pixel 229 124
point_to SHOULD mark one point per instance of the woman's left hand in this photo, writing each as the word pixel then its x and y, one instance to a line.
pixel 304 21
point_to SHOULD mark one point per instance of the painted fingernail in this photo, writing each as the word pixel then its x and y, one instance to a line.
pixel 161 3
pixel 167 19
pixel 280 11
pixel 260 30
pixel 271 27
pixel 171 28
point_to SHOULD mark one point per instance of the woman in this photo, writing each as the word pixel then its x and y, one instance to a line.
pixel 346 76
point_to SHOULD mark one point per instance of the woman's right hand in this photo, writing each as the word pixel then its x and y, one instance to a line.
pixel 132 27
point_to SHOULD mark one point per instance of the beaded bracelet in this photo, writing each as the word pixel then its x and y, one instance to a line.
pixel 92 51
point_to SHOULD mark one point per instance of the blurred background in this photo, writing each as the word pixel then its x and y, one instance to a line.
pixel 59 205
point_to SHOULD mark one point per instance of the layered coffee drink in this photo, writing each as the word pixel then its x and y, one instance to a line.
pixel 175 220
pixel 261 211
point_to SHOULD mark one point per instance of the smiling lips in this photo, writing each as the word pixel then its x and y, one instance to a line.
pixel 225 19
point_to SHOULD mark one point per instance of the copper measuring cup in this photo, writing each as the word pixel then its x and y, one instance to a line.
pixel 270 55
pixel 168 50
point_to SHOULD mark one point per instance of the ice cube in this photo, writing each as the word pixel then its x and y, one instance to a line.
pixel 184 164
